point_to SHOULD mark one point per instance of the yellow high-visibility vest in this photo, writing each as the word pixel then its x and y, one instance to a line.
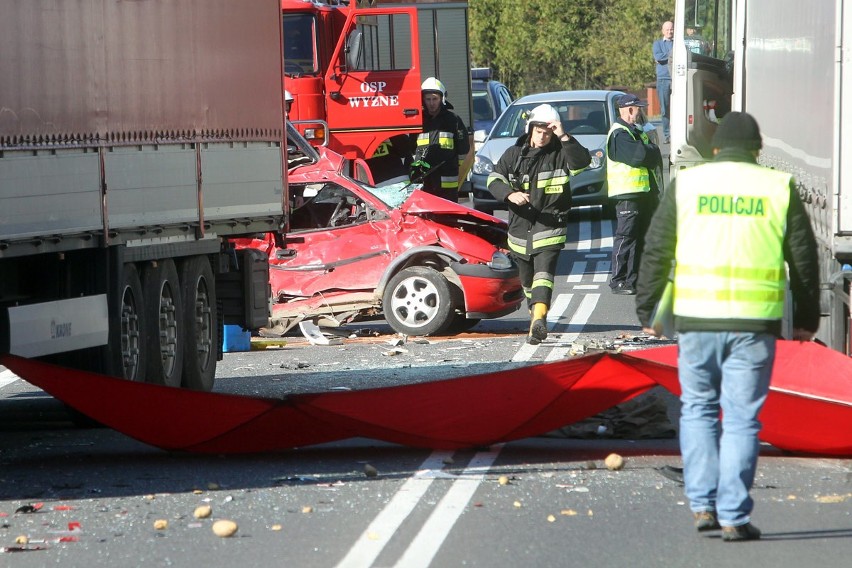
pixel 622 179
pixel 731 221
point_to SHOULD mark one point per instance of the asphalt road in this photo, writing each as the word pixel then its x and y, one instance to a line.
pixel 93 497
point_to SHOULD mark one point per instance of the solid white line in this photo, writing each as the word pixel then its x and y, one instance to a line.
pixel 586 287
pixel 575 326
pixel 373 540
pixel 577 271
pixel 428 541
pixel 7 377
pixel 602 255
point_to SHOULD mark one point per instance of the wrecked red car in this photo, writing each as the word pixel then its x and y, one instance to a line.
pixel 356 251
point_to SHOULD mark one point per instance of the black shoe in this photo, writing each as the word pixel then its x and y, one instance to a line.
pixel 706 521
pixel 538 332
pixel 623 290
pixel 743 532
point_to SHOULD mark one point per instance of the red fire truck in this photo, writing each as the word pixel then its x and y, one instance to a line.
pixel 354 70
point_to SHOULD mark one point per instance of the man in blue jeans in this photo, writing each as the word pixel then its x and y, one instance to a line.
pixel 736 234
pixel 662 54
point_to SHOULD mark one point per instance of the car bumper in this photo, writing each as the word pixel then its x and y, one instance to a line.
pixel 587 188
pixel 489 292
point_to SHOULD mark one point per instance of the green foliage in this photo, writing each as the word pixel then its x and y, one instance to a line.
pixel 544 45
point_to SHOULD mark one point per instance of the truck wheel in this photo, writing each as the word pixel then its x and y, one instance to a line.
pixel 163 323
pixel 200 329
pixel 131 326
pixel 418 301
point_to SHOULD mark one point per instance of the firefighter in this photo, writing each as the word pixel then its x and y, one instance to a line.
pixel 288 102
pixel 532 179
pixel 390 162
pixel 442 146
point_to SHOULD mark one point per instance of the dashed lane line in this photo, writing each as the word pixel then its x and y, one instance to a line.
pixel 7 377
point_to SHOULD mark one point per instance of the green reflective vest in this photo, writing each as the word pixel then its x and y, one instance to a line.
pixel 621 178
pixel 731 221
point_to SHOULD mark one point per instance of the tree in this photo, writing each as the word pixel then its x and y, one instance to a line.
pixel 544 45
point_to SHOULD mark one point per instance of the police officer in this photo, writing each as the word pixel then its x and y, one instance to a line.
pixel 631 160
pixel 532 178
pixel 729 227
pixel 442 146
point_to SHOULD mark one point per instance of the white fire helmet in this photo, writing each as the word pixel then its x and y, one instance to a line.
pixel 542 114
pixel 435 86
pixel 288 98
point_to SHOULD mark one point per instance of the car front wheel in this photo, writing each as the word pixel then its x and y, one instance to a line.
pixel 418 301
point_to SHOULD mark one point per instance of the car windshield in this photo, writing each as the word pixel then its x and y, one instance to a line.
pixel 393 195
pixel 578 117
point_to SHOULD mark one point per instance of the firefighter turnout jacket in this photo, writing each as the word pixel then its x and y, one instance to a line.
pixel 443 145
pixel 543 173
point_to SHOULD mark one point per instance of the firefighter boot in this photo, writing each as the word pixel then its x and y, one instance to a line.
pixel 538 324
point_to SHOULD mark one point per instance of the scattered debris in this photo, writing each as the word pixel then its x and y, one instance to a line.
pixel 224 528
pixel 161 524
pixel 370 471
pixel 641 418
pixel 671 472
pixel 517 504
pixel 275 528
pixel 614 462
pixel 23 539
pixel 503 480
pixel 27 509
pixel 396 341
pixel 307 509
pixel 395 352
pixel 202 512
pixel 315 335
pixel 568 512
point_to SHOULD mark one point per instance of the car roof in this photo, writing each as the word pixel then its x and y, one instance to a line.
pixel 579 95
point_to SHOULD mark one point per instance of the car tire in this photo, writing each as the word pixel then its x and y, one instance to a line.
pixel 418 301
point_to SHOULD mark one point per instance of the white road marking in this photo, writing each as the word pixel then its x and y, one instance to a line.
pixel 606 235
pixel 577 271
pixel 602 270
pixel 586 287
pixel 602 255
pixel 557 308
pixel 584 241
pixel 575 326
pixel 7 377
pixel 428 541
pixel 373 540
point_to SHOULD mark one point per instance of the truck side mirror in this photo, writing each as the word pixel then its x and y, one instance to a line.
pixel 353 49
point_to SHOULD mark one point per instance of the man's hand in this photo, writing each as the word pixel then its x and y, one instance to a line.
pixel 519 198
pixel 800 334
pixel 556 127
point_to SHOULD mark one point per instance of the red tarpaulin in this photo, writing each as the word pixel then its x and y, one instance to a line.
pixel 809 408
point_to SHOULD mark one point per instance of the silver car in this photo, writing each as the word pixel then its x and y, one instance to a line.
pixel 586 115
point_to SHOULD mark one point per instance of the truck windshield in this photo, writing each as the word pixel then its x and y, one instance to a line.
pixel 300 44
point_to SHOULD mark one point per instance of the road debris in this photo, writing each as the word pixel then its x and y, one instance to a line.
pixel 224 528
pixel 161 524
pixel 370 471
pixel 202 512
pixel 316 336
pixel 614 462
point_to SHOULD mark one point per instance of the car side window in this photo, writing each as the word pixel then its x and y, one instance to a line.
pixel 324 206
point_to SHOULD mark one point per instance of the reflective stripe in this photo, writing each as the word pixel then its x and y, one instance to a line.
pixel 541 283
pixel 445 140
pixel 740 272
pixel 449 182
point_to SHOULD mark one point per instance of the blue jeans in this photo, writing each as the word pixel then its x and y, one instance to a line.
pixel 664 93
pixel 728 371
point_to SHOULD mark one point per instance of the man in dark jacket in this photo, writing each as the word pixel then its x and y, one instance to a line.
pixel 631 162
pixel 442 146
pixel 735 233
pixel 532 178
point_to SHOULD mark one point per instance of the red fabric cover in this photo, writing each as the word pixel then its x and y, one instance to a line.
pixel 809 407
pixel 456 413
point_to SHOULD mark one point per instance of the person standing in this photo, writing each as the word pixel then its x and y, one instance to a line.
pixel 662 50
pixel 442 145
pixel 532 177
pixel 728 227
pixel 631 160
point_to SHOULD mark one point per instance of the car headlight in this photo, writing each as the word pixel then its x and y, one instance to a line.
pixel 482 166
pixel 499 261
pixel 598 159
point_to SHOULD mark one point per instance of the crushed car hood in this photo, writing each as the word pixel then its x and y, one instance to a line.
pixel 422 203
